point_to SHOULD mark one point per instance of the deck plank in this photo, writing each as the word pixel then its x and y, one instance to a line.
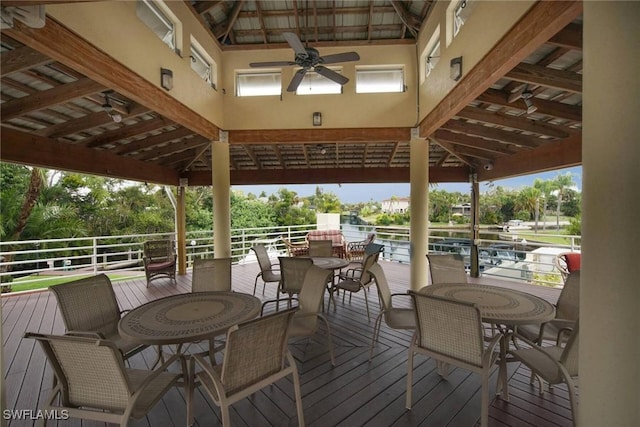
pixel 355 392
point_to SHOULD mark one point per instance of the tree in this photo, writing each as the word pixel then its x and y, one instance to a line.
pixel 527 200
pixel 562 184
pixel 545 187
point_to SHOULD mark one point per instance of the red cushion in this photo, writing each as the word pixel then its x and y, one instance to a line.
pixel 573 261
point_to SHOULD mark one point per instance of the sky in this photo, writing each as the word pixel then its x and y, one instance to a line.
pixel 354 193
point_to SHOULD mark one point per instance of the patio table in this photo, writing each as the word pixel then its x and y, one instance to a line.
pixel 500 306
pixel 330 263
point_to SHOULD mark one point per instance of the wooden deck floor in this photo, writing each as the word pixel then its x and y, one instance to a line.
pixel 355 392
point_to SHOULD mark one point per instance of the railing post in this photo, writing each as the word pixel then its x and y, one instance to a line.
pixel 94 258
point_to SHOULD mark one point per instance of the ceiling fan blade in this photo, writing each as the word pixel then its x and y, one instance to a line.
pixel 295 44
pixel 331 75
pixel 296 80
pixel 271 64
pixel 340 57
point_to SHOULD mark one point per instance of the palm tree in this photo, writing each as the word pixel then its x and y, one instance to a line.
pixel 546 187
pixel 527 199
pixel 562 183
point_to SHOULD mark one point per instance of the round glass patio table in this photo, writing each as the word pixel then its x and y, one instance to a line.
pixel 330 263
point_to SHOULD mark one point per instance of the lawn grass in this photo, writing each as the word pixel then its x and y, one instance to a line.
pixel 53 280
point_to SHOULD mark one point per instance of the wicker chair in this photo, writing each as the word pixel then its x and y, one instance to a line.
pixel 359 279
pixel 356 250
pixel 211 274
pixel 296 249
pixel 93 382
pixel 310 298
pixel 320 248
pixel 567 313
pixel 256 355
pixel 267 273
pixel 160 260
pixel 89 308
pixel 554 364
pixel 293 272
pixel 395 317
pixel 451 333
pixel 447 268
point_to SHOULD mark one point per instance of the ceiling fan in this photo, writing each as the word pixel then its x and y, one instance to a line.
pixel 309 59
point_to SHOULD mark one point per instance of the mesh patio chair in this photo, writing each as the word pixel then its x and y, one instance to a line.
pixel 446 268
pixel 211 274
pixel 89 308
pixel 256 355
pixel 93 382
pixel 320 248
pixel 358 280
pixel 451 333
pixel 554 364
pixel 293 272
pixel 567 313
pixel 160 260
pixel 306 319
pixel 356 270
pixel 394 317
pixel 268 273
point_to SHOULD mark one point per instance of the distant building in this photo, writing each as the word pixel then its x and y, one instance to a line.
pixel 396 205
pixel 463 209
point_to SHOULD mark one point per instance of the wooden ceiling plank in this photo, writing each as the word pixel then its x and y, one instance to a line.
pixel 198 156
pixel 305 136
pixel 262 25
pixel 153 140
pixel 47 98
pixel 453 150
pixel 475 142
pixel 127 131
pixel 84 123
pixel 494 133
pixel 541 22
pixel 172 149
pixel 21 59
pixel 549 77
pixel 569 37
pixel 521 123
pixel 550 108
pixel 63 45
pixel 28 149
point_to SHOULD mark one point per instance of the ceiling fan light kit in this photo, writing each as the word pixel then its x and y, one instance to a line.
pixel 309 59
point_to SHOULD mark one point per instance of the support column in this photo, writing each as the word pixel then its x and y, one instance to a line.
pixel 419 240
pixel 609 291
pixel 221 186
pixel 181 229
pixel 475 225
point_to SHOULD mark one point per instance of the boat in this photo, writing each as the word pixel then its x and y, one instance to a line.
pixel 515 225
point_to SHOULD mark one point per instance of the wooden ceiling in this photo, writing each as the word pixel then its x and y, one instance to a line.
pixel 53 96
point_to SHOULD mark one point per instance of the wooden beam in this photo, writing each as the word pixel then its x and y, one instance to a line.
pixel 28 149
pixel 205 6
pixel 302 136
pixel 548 108
pixel 124 132
pixel 408 19
pixel 21 59
pixel 65 46
pixel 494 133
pixel 152 141
pixel 549 77
pixel 474 142
pixel 231 20
pixel 569 37
pixel 514 122
pixel 560 154
pixel 7 3
pixel 48 98
pixel 541 22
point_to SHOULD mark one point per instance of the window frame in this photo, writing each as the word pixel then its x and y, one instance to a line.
pixel 308 82
pixel 240 74
pixel 363 70
pixel 198 54
pixel 158 10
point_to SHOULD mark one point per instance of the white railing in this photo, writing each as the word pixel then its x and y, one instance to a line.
pixel 501 254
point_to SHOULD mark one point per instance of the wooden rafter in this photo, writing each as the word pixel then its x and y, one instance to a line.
pixel 549 77
pixel 550 108
pixel 514 122
pixel 231 20
pixel 21 59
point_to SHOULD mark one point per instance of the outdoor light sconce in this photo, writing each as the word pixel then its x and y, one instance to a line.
pixel 166 78
pixel 456 68
pixel 317 119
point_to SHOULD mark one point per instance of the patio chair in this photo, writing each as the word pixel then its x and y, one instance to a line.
pixel 356 270
pixel 320 248
pixel 567 262
pixel 356 281
pixel 310 298
pixel 94 384
pixel 394 317
pixel 555 364
pixel 268 273
pixel 446 268
pixel 293 272
pixel 160 260
pixel 211 274
pixel 256 355
pixel 567 313
pixel 89 308
pixel 356 250
pixel 295 249
pixel 451 333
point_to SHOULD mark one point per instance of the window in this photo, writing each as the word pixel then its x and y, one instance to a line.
pixel 432 58
pixel 203 65
pixel 380 80
pixel 315 84
pixel 258 84
pixel 460 15
pixel 152 14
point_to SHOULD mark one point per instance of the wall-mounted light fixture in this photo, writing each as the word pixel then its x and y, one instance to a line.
pixel 456 68
pixel 317 119
pixel 166 78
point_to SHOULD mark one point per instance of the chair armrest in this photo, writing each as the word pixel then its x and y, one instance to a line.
pixel 264 304
pixel 566 330
pixel 87 334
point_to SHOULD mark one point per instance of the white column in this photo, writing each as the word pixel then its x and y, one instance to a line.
pixel 221 186
pixel 419 177
pixel 610 279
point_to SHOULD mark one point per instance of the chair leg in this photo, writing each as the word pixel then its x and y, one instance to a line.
pixel 329 341
pixel 366 302
pixel 226 420
pixel 376 334
pixel 255 285
pixel 484 400
pixel 297 392
pixel 409 379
